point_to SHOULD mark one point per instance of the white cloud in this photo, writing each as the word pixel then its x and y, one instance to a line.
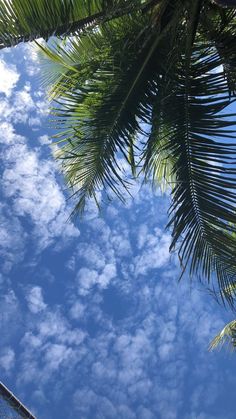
pixel 44 140
pixel 9 78
pixel 12 239
pixel 77 310
pixel 55 354
pixel 32 185
pixel 108 273
pixel 18 107
pixel 86 278
pixel 31 59
pixel 34 122
pixel 35 300
pixel 156 253
pixel 7 359
pixel 8 134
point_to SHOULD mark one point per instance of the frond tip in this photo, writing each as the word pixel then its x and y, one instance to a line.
pixel 227 336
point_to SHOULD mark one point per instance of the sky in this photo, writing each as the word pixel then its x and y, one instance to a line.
pixel 94 323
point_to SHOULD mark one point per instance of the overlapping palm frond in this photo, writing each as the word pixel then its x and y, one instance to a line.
pixel 220 30
pixel 27 20
pixel 130 76
pixel 164 69
pixel 199 138
pixel 104 97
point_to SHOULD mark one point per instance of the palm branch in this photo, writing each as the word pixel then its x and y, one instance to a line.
pixel 153 69
pixel 105 105
pixel 107 96
pixel 27 20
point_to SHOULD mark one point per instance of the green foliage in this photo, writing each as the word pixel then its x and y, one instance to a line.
pixel 152 81
pixel 27 20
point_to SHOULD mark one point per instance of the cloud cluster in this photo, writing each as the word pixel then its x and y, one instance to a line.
pixel 9 78
pixel 130 360
pixel 30 184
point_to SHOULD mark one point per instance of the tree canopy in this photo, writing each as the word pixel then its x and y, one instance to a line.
pixel 154 82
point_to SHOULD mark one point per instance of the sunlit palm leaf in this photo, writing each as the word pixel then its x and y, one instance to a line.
pixel 227 337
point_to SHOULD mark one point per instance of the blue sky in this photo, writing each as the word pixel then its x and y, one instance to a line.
pixel 93 322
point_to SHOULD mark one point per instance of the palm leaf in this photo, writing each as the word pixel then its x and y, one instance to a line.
pixel 198 136
pixel 129 80
pixel 204 197
pixel 27 20
pixel 154 73
pixel 104 96
pixel 227 337
pixel 220 29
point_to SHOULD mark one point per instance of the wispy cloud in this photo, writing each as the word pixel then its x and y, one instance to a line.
pixel 9 78
pixel 35 300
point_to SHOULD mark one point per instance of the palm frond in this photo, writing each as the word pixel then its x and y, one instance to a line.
pixel 104 96
pixel 199 139
pixel 27 20
pixel 128 80
pixel 158 161
pixel 157 74
pixel 227 337
pixel 220 30
pixel 203 208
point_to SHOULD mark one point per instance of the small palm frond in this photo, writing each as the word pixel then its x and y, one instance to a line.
pixel 227 337
pixel 68 65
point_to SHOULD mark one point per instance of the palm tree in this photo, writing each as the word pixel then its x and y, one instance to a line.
pixel 152 81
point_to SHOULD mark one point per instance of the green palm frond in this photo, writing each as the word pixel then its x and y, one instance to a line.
pixel 199 138
pixel 27 20
pixel 112 84
pixel 220 29
pixel 204 197
pixel 227 337
pixel 153 69
pixel 158 161
pixel 104 96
